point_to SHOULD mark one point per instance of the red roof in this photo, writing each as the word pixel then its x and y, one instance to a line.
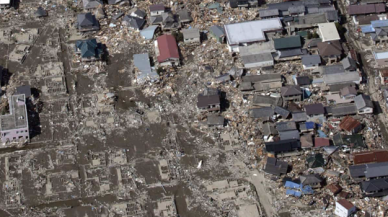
pixel 377 156
pixel 167 48
pixel 345 203
pixel 321 142
pixel 349 124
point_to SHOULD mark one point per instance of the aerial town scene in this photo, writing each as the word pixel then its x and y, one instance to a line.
pixel 189 108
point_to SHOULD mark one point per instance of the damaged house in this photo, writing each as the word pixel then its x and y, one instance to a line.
pixel 209 101
pixel 275 166
pixel 89 50
pixel 87 22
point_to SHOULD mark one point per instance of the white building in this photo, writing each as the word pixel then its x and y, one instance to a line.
pixel 245 33
pixel 328 32
pixel 344 208
pixel 5 4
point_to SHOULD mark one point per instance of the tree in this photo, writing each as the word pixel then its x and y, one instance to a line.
pixel 315 35
pixel 178 36
pixel 309 35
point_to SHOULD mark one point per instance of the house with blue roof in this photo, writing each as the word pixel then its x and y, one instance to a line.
pixel 149 32
pixel 367 29
pixel 379 23
pixel 377 30
pixel 89 50
pixel 296 189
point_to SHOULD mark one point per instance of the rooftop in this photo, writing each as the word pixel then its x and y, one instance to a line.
pixel 288 42
pixel 376 156
pixel 379 55
pixel 333 48
pixel 366 9
pixel 328 32
pixel 157 7
pixel 291 90
pixel 251 31
pixel 349 124
pixel 18 114
pixel 311 60
pixel 363 101
pixel 217 31
pixel 275 166
pixel 345 203
pixel 190 33
pixel 167 48
pixel 314 109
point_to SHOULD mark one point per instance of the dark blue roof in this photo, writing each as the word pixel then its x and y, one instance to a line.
pixel 89 48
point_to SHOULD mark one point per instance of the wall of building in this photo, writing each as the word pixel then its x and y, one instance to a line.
pixel 12 135
pixel 365 111
pixel 382 62
pixel 259 64
pixel 156 13
pixel 192 40
pixel 293 98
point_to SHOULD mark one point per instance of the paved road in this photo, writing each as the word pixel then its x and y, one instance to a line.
pixel 257 179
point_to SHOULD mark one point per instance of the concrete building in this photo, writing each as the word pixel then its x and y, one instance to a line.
pixel 4 4
pixel 344 208
pixel 14 126
pixel 328 32
pixel 381 58
pixel 245 33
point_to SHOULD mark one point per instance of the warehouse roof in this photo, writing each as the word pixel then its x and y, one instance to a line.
pixel 251 31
